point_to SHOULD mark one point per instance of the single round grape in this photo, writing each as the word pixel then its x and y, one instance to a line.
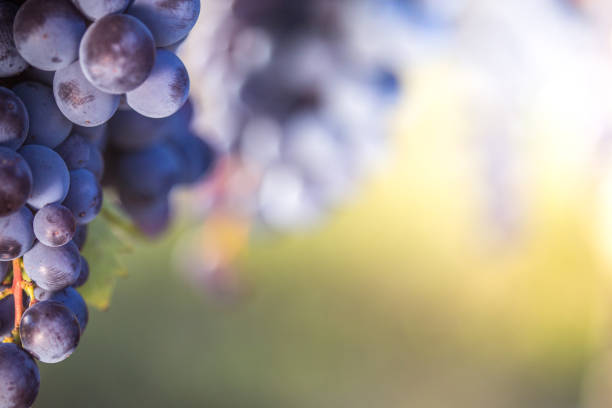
pixel 80 236
pixel 15 181
pixel 164 91
pixel 84 275
pixel 148 173
pixel 70 298
pixel 11 63
pixel 117 53
pixel 14 120
pixel 49 173
pixel 79 100
pixel 47 33
pixel 48 126
pixel 75 151
pixel 95 9
pixel 49 331
pixel 53 268
pixel 16 234
pixel 85 196
pixel 95 164
pixel 197 157
pixel 19 377
pixel 130 131
pixel 54 225
pixel 151 216
pixel 4 269
pixel 7 315
pixel 168 20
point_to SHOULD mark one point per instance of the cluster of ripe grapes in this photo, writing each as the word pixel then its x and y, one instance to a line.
pixel 301 110
pixel 84 85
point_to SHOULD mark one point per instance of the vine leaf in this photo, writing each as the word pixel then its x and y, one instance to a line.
pixel 107 244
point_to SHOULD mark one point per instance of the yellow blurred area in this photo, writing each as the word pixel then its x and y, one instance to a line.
pixel 475 313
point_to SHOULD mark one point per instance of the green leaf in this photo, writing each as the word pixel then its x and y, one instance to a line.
pixel 105 247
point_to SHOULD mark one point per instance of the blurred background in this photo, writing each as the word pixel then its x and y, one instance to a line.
pixel 413 208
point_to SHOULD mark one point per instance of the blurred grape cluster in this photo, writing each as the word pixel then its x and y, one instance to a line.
pixel 298 106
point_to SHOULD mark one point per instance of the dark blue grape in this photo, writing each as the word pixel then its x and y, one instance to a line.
pixel 148 173
pixel 80 236
pixel 79 100
pixel 95 9
pixel 117 53
pixel 19 377
pixel 130 131
pixel 47 33
pixel 4 269
pixel 168 20
pixel 7 315
pixel 95 164
pixel 48 126
pixel 49 173
pixel 197 157
pixel 49 331
pixel 14 121
pixel 84 275
pixel 16 234
pixel 152 216
pixel 54 225
pixel 53 268
pixel 85 196
pixel 11 63
pixel 15 181
pixel 70 298
pixel 95 135
pixel 75 151
pixel 164 91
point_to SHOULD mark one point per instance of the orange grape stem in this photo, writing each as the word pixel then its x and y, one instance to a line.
pixel 17 291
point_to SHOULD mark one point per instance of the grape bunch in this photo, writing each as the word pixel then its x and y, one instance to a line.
pixel 85 85
pixel 298 105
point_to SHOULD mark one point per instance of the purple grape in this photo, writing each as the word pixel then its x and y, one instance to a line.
pixel 14 120
pixel 148 173
pixel 7 315
pixel 53 268
pixel 11 63
pixel 4 269
pixel 16 234
pixel 117 53
pixel 85 196
pixel 15 181
pixel 84 275
pixel 19 377
pixel 164 91
pixel 70 298
pixel 95 9
pixel 49 331
pixel 49 174
pixel 54 225
pixel 79 100
pixel 152 216
pixel 48 126
pixel 80 236
pixel 130 131
pixel 95 164
pixel 169 20
pixel 75 151
pixel 47 33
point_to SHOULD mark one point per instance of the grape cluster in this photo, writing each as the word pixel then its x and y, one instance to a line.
pixel 85 85
pixel 298 106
